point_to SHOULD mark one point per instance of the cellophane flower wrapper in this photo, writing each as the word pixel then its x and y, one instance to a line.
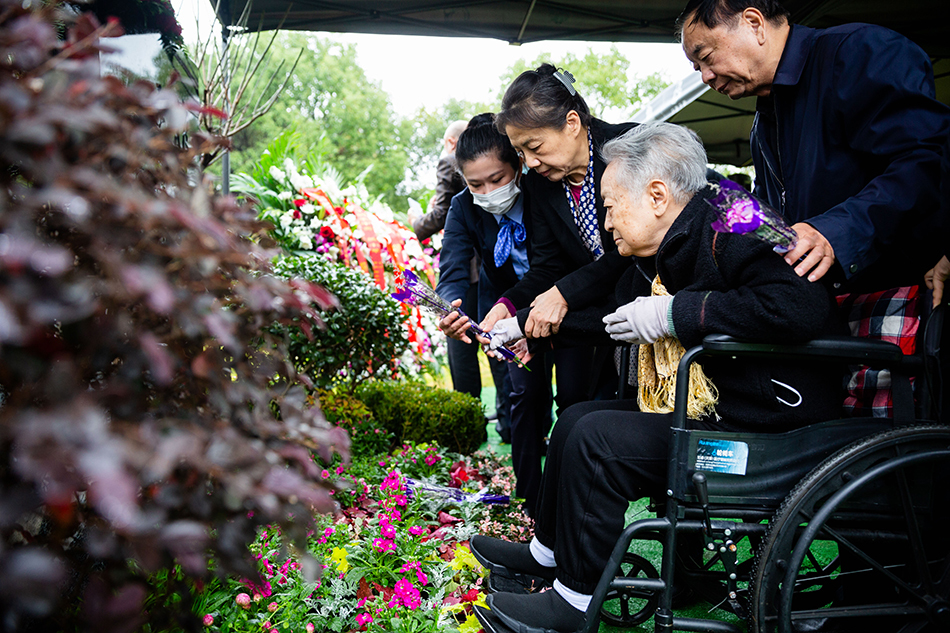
pixel 741 213
pixel 413 291
pixel 421 490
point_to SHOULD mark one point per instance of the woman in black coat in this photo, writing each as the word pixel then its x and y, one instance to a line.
pixel 604 454
pixel 572 255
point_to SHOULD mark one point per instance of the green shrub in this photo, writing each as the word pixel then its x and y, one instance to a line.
pixel 364 335
pixel 347 412
pixel 416 412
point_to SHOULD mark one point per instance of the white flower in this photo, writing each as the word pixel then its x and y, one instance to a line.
pixel 316 223
pixel 300 181
pixel 284 195
pixel 350 219
pixel 307 208
pixel 287 219
pixel 277 174
pixel 304 237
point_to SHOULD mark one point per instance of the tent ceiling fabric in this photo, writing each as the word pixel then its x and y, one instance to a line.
pixel 519 21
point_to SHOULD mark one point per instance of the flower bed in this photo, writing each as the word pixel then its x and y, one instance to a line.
pixel 395 559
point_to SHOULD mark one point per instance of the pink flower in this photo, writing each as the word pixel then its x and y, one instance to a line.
pixel 325 473
pixel 266 624
pixel 384 545
pixel 272 607
pixel 416 530
pixel 387 530
pixel 208 620
pixel 363 619
pixel 243 600
pixel 432 458
pixel 423 579
pixel 310 627
pixel 408 594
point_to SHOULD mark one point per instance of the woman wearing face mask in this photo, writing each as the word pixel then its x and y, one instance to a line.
pixel 574 261
pixel 490 217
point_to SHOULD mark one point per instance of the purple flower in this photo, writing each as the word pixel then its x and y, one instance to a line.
pixel 413 291
pixel 741 213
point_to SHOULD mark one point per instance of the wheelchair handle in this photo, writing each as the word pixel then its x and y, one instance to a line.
pixel 702 493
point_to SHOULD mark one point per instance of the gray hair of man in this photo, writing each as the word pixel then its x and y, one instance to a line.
pixel 658 151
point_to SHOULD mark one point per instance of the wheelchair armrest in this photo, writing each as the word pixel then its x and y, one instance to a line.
pixel 837 348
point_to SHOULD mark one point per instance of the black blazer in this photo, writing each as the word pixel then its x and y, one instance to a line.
pixel 557 255
pixel 470 230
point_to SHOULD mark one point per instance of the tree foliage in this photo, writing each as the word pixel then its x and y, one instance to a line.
pixel 603 80
pixel 148 414
pixel 338 112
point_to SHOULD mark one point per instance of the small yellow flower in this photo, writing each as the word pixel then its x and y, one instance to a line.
pixel 338 556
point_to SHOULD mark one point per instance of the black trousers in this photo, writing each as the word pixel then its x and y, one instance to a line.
pixel 602 455
pixel 531 398
pixel 463 357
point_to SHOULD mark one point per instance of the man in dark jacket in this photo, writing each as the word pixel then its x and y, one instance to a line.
pixel 848 140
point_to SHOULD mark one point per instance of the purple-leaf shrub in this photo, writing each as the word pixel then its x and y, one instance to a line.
pixel 148 413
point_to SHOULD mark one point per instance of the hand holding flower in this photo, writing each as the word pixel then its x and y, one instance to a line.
pixel 504 332
pixel 455 325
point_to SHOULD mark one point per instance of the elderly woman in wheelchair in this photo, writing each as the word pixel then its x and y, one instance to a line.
pixel 688 282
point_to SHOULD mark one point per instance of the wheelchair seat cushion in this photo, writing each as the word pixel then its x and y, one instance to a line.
pixel 889 315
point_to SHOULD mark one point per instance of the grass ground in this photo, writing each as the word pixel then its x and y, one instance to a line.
pixel 637 510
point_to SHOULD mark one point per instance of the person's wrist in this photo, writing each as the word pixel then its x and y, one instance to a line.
pixel 508 305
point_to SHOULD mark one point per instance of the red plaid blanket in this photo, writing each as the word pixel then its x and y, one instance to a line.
pixel 889 315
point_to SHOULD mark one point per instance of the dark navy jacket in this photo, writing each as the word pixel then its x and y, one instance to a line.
pixel 470 230
pixel 860 145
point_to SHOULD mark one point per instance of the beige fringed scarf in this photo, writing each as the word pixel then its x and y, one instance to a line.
pixel 656 373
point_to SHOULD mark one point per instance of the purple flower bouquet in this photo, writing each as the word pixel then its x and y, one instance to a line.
pixel 741 213
pixel 449 494
pixel 413 291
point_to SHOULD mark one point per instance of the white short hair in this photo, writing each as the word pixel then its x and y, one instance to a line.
pixel 660 151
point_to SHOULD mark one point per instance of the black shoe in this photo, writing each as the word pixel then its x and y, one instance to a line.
pixel 545 612
pixel 490 623
pixel 519 565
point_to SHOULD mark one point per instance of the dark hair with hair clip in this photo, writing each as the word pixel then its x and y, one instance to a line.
pixel 539 99
pixel 712 13
pixel 482 137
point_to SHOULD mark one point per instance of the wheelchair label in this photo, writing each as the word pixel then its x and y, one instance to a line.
pixel 722 456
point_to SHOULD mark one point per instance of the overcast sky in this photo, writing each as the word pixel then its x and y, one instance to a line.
pixel 428 71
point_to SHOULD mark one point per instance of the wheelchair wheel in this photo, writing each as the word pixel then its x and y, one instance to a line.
pixel 860 543
pixel 630 607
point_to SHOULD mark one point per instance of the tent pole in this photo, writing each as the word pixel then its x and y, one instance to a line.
pixel 225 18
pixel 226 82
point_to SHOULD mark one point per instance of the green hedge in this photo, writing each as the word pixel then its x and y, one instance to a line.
pixel 416 412
pixel 366 437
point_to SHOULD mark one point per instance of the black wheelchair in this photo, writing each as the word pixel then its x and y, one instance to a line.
pixel 842 525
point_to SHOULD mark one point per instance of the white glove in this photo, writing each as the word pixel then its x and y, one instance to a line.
pixel 643 320
pixel 504 332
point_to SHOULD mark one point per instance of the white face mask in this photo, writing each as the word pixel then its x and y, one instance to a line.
pixel 500 200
